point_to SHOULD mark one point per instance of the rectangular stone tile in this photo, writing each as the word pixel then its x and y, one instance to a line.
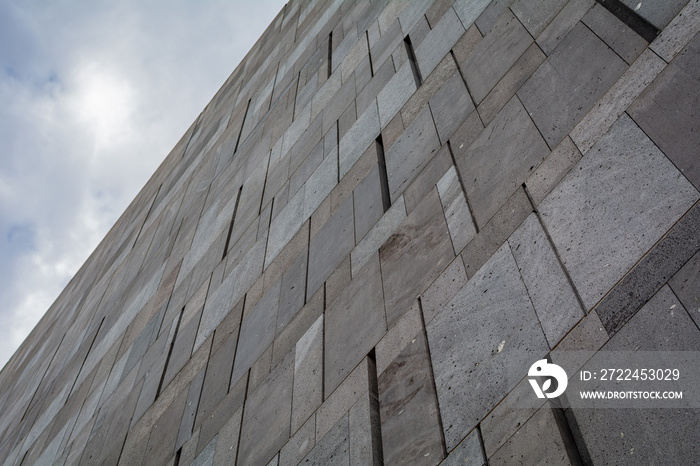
pixel 191 404
pixel 301 443
pixel 386 44
pixel 426 180
pixel 552 170
pixel 182 349
pixel 583 213
pixel 319 185
pixel 488 18
pixel 287 339
pixel 339 402
pixel 414 256
pixel 396 93
pixel 331 244
pixel 334 448
pixel 486 331
pixel 355 322
pixel 678 33
pixel 507 40
pixel 538 440
pixel 408 407
pixel 227 441
pixel 564 22
pixel 469 452
pixel 536 16
pixel 666 257
pixel 500 160
pixel 379 233
pixel 619 37
pixel 419 100
pixel 441 291
pixel 561 91
pixel 368 203
pixel 657 13
pixel 308 375
pixel 510 83
pixel 258 330
pixel 667 112
pixel 164 432
pixel 609 108
pixel 368 94
pixel 411 152
pixel 553 298
pixel 686 285
pixel 454 204
pixel 438 42
pixel 398 337
pixel 450 106
pixel 358 138
pixel 469 10
pixel 292 292
pixel 266 417
pixel 581 343
pixel 217 379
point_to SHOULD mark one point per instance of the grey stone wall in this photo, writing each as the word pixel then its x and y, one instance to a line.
pixel 387 208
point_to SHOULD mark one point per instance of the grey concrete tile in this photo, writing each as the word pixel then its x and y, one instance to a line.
pixel 266 417
pixel 657 13
pixel 489 180
pixel 287 339
pixel 536 16
pixel 551 294
pixel 561 92
pixel 308 375
pixel 302 173
pixel 258 330
pixel 552 170
pixel 165 431
pixel 496 231
pixel 260 368
pixel 652 271
pixel 436 11
pixel 419 31
pixel 619 37
pixel 678 33
pixel 488 18
pixel 441 291
pixel 182 349
pixel 686 285
pixel 426 180
pixel 330 246
pixel 380 232
pixel 507 40
pixel 368 204
pixel 414 256
pixel 417 102
pixel 358 138
pixel 292 292
pixel 398 337
pixel 468 11
pixel 450 106
pixel 408 407
pixel 488 329
pixel 363 418
pixel 333 448
pixel 582 214
pixel 563 23
pixel 467 43
pixel 454 204
pixel 319 185
pixel 581 343
pixel 538 440
pixel 338 280
pixel 346 120
pixel 300 444
pixel 220 415
pixel 191 404
pixel 382 76
pixel 510 83
pixel 342 398
pixel 386 44
pixel 206 456
pixel 438 42
pixel 350 181
pixel 667 112
pixel 396 93
pixel 355 322
pixel 469 452
pixel 411 152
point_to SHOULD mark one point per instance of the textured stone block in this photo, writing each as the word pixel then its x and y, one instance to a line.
pixel 438 42
pixel 535 16
pixel 469 10
pixel 414 256
pixel 292 291
pixel 411 152
pixel 507 40
pixel 552 170
pixel 398 337
pixel 450 106
pixel 469 452
pixel 619 37
pixel 686 285
pixel 342 398
pixel 355 322
pixel 408 407
pixel 358 138
pixel 386 44
pixel 678 33
pixel 395 94
pixel 561 91
pixel 300 444
pixel 583 214
pixel 333 448
pixel 454 204
pixel 564 22
pixel 426 180
pixel 308 375
pixel 500 160
pixel 368 204
pixel 553 298
pixel 267 413
pixel 657 13
pixel 441 291
pixel 489 329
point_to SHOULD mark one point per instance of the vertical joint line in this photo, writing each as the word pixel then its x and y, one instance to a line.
pixel 412 60
pixel 464 189
pixel 233 220
pixel 306 277
pixel 240 430
pixel 369 53
pixel 330 53
pixel 375 417
pixel 556 251
pixel 238 337
pixel 432 379
pixel 296 94
pixel 464 80
pixel 383 178
pixel 245 117
pixel 337 145
pixel 170 353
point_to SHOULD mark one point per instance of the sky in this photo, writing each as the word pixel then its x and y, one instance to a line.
pixel 93 96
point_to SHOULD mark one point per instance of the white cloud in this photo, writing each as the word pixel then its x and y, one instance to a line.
pixel 93 95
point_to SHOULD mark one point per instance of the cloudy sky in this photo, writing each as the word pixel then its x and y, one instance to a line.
pixel 93 95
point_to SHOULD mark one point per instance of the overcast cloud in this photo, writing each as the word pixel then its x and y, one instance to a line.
pixel 93 95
